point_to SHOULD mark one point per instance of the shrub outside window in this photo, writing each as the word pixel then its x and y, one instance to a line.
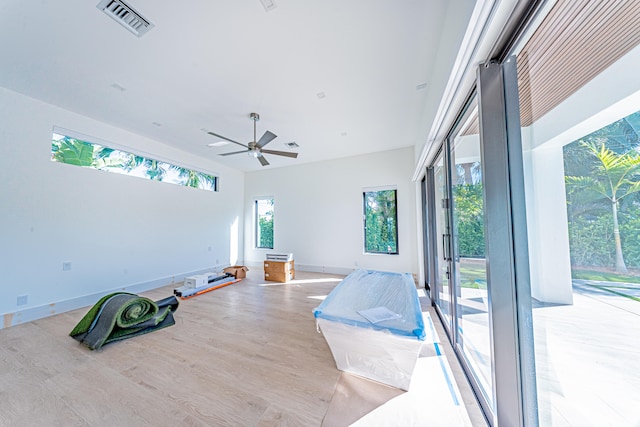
pixel 380 221
pixel 264 223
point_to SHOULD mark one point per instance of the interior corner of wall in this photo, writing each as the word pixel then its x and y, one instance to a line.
pixel 7 320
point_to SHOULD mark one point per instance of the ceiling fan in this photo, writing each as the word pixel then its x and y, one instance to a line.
pixel 254 148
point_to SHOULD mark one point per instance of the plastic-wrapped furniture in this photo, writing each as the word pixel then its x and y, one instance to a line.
pixel 373 324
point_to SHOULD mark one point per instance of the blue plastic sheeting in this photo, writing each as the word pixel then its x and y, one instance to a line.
pixel 375 292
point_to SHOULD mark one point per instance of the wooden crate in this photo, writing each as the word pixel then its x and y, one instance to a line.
pixel 277 271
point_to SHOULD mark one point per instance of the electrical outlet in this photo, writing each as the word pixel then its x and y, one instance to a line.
pixel 66 266
pixel 209 248
pixel 22 300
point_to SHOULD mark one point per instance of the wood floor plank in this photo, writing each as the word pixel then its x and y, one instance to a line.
pixel 281 417
pixel 199 394
pixel 103 397
pixel 26 401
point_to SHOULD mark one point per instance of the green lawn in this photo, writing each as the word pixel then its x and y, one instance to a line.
pixel 604 276
pixel 473 277
pixel 607 276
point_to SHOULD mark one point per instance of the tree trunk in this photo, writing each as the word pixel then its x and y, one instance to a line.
pixel 620 265
pixel 468 178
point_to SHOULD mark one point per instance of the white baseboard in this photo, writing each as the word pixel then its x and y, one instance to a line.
pixel 258 265
pixel 34 313
pixel 325 269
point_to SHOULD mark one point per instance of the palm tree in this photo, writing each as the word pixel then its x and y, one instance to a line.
pixel 196 179
pixel 614 177
pixel 153 169
pixel 81 153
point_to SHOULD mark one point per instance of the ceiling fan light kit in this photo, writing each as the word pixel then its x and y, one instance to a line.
pixel 255 148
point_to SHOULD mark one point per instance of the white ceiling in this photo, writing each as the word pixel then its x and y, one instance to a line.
pixel 207 64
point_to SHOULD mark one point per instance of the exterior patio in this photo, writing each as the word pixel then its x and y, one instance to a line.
pixel 586 353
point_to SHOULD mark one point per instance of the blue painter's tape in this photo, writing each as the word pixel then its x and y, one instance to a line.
pixel 368 289
pixel 446 376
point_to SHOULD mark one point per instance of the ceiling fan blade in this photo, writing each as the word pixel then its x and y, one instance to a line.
pixel 235 152
pixel 281 153
pixel 263 161
pixel 266 138
pixel 227 139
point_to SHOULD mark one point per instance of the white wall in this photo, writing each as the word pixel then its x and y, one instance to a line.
pixel 118 232
pixel 318 212
pixel 549 260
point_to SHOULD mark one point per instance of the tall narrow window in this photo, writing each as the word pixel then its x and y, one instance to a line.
pixel 380 222
pixel 264 223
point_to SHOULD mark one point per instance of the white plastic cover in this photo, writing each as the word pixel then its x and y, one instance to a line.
pixel 375 300
pixel 377 355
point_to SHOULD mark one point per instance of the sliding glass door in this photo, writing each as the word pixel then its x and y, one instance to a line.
pixel 471 300
pixel 442 241
pixel 539 179
pixel 460 282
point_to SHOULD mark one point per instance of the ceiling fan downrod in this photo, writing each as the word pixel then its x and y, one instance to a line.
pixel 255 117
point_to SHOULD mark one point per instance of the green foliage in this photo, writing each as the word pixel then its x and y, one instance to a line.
pixel 381 228
pixel 613 176
pixel 264 214
pixel 591 240
pixel 630 232
pixel 468 218
pixel 265 224
pixel 620 136
pixel 73 151
pixel 602 183
pixel 81 153
pixel 195 179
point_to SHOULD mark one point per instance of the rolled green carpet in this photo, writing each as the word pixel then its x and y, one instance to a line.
pixel 122 315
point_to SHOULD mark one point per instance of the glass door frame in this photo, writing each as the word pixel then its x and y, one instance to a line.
pixel 431 251
pixel 458 337
pixel 508 282
pixel 439 240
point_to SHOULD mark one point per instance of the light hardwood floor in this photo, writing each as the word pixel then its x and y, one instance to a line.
pixel 244 355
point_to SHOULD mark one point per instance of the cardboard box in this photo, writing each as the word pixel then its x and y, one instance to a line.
pixel 196 281
pixel 279 271
pixel 278 266
pixel 279 276
pixel 238 271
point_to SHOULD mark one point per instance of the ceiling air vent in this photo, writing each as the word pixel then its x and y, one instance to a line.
pixel 126 16
pixel 268 4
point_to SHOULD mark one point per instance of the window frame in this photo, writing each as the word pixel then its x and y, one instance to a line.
pixel 256 221
pixel 201 180
pixel 395 218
